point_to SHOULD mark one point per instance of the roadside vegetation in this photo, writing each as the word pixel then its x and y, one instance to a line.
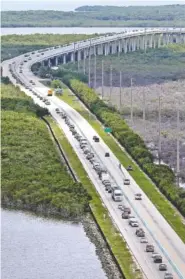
pixel 162 176
pixel 33 176
pixel 14 45
pixel 99 16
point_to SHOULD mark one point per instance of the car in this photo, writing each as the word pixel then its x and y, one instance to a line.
pixel 154 254
pixel 74 132
pixel 128 210
pixel 109 189
pixel 126 181
pixel 33 52
pixel 121 206
pixel 57 110
pixel 140 232
pixel 33 83
pixel 96 139
pixel 71 126
pixel 134 224
pixel 92 160
pixel 89 156
pixel 158 259
pixel 86 150
pixel 143 240
pixel 125 215
pixel 138 196
pixel 42 53
pixel 25 61
pixel 168 275
pixel 77 135
pixel 107 154
pixel 107 183
pixel 162 267
pixel 129 168
pixel 29 58
pixel 47 103
pixel 149 248
pixel 20 71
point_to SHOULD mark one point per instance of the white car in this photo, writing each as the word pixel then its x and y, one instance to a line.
pixel 134 224
pixel 168 275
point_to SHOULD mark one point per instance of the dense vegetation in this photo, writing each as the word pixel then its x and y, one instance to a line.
pixel 14 45
pixel 161 175
pixel 87 16
pixel 33 177
pixel 154 66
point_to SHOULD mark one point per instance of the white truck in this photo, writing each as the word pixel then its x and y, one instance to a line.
pixel 117 194
pixel 104 176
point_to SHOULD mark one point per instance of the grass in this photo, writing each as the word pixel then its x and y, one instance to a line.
pixel 163 205
pixel 33 175
pixel 116 242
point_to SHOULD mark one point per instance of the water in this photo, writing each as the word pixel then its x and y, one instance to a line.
pixel 64 30
pixel 38 248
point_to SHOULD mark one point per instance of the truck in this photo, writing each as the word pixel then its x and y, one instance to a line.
pixel 104 176
pixel 50 92
pixel 117 194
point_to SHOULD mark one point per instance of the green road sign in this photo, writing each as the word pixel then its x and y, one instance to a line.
pixel 107 130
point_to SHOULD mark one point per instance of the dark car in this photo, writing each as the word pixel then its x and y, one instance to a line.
pixel 107 154
pixel 96 139
pixel 158 259
pixel 129 168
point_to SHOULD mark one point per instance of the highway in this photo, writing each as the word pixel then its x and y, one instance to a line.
pixel 158 231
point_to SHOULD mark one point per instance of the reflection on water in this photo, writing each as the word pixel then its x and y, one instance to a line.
pixel 36 248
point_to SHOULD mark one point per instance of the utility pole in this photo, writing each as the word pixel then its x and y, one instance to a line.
pixel 78 59
pixel 178 131
pixel 74 54
pixel 102 77
pixel 159 143
pixel 120 91
pixel 94 67
pixel 84 61
pixel 131 101
pixel 144 110
pixel 110 96
pixel 89 79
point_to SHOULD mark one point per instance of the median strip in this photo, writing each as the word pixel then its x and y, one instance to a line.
pixel 115 241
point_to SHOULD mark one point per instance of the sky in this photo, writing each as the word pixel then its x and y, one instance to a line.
pixel 70 5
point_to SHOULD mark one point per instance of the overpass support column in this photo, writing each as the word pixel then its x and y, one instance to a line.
pixel 151 41
pixel 56 61
pixel 134 44
pixel 78 55
pixel 159 41
pixel 125 46
pixel 42 63
pixel 120 46
pixel 64 58
pixel 72 57
pixel 49 63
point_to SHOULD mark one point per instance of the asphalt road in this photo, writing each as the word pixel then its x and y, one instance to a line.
pixel 158 231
